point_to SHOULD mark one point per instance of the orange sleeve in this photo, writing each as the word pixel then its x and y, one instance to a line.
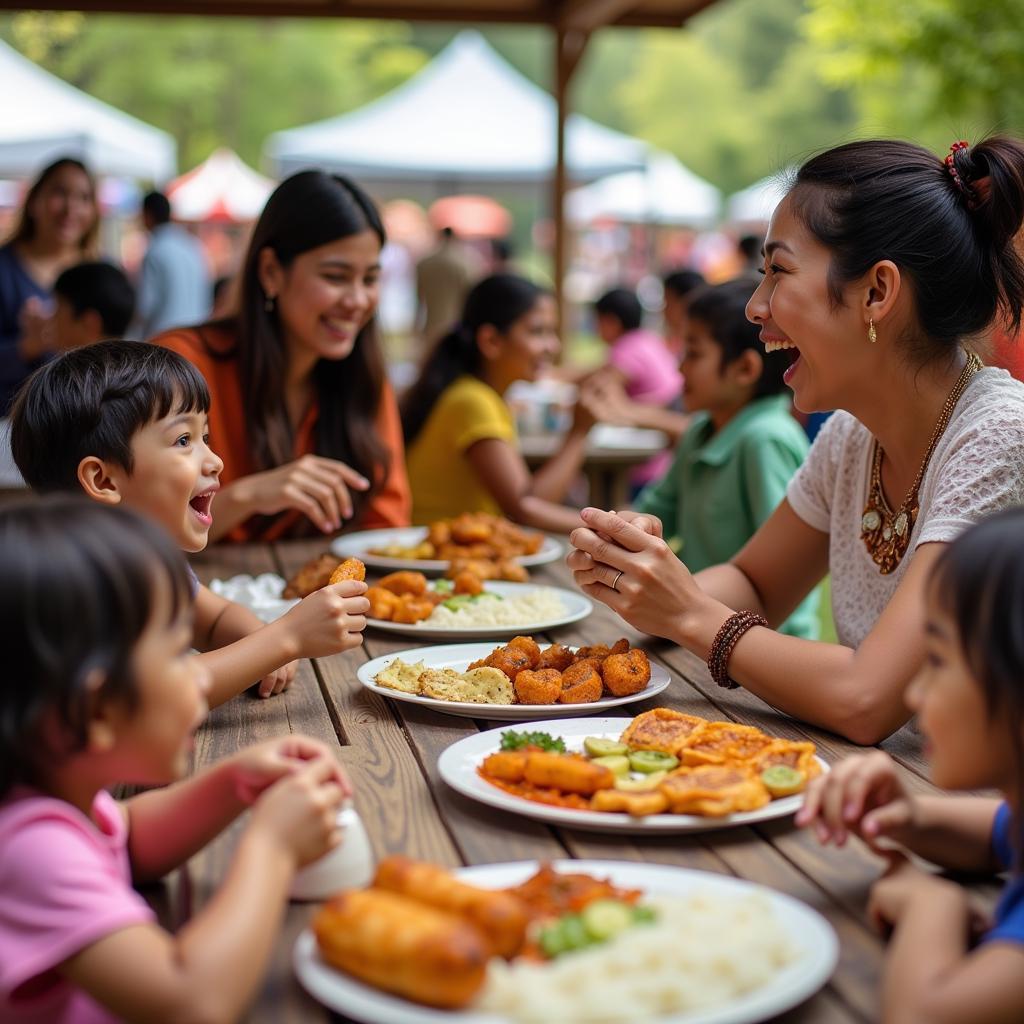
pixel 392 504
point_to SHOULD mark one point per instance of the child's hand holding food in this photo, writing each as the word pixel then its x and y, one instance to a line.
pixel 330 620
pixel 864 795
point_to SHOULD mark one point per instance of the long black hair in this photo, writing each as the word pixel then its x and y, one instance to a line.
pixel 499 300
pixel 305 211
pixel 979 582
pixel 76 593
pixel 948 226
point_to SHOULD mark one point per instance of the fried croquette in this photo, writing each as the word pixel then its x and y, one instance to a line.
pixel 557 657
pixel 507 765
pixel 597 651
pixel 382 603
pixel 411 608
pixel 661 729
pixel 350 569
pixel 626 674
pixel 509 660
pixel 512 572
pixel 637 804
pixel 566 772
pixel 581 684
pixel 405 582
pixel 714 790
pixel 528 646
pixel 467 582
pixel 541 687
pixel 313 576
pixel 722 742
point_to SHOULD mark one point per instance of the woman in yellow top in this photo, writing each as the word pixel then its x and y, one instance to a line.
pixel 462 453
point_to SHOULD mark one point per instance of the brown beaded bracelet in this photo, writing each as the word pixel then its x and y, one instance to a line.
pixel 726 640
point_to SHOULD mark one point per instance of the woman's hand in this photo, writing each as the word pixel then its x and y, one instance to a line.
pixel 316 486
pixel 655 591
pixel 329 621
pixel 864 795
pixel 256 768
pixel 36 322
pixel 278 681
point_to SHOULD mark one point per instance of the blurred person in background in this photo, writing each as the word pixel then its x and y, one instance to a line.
pixel 92 302
pixel 57 227
pixel 174 286
pixel 678 286
pixel 443 279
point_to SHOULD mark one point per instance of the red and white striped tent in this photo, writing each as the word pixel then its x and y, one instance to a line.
pixel 222 188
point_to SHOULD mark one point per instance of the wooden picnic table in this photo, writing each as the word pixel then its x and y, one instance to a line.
pixel 390 750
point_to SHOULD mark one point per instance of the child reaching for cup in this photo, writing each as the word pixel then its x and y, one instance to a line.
pixel 96 605
pixel 969 701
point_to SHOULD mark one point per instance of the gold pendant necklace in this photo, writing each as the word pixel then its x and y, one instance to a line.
pixel 886 533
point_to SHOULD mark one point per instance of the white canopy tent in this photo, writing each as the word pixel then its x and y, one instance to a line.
pixel 465 120
pixel 45 118
pixel 664 193
pixel 222 188
pixel 756 203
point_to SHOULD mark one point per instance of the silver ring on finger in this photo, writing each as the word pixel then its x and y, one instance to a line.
pixel 615 582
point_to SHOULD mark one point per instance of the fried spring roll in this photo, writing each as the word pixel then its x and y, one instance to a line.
pixel 402 946
pixel 500 916
pixel 567 773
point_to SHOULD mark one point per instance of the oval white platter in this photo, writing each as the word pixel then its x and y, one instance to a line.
pixel 459 657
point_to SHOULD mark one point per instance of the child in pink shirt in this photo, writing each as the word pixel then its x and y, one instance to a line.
pixel 102 689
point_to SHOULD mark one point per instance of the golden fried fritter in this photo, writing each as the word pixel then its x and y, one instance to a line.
pixel 507 765
pixel 714 790
pixel 405 582
pixel 468 583
pixel 350 569
pixel 382 603
pixel 557 657
pixel 541 687
pixel 510 660
pixel 513 572
pixel 626 674
pixel 723 743
pixel 581 684
pixel 791 753
pixel 637 804
pixel 567 772
pixel 313 576
pixel 528 646
pixel 598 651
pixel 470 529
pixel 412 608
pixel 661 729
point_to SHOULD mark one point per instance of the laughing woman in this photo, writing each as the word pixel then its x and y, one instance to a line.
pixel 302 413
pixel 880 263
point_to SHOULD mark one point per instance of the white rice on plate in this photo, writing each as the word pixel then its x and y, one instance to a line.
pixel 539 605
pixel 702 951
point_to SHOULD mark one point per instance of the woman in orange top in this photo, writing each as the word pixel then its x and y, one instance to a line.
pixel 302 413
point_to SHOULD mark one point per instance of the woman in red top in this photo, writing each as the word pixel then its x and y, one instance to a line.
pixel 302 414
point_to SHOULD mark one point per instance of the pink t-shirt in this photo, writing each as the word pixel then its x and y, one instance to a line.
pixel 65 882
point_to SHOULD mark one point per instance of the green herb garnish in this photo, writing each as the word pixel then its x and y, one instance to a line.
pixel 512 740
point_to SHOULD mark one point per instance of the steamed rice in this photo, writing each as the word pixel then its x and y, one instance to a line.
pixel 702 951
pixel 535 606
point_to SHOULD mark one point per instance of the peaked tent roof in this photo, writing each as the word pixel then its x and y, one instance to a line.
pixel 467 117
pixel 223 188
pixel 666 192
pixel 756 203
pixel 45 118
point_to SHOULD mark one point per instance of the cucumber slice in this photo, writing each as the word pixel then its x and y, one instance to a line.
pixel 648 761
pixel 644 784
pixel 617 763
pixel 597 746
pixel 453 604
pixel 574 932
pixel 781 780
pixel 606 918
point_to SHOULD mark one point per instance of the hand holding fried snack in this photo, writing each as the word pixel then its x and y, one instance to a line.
pixel 316 573
pixel 350 569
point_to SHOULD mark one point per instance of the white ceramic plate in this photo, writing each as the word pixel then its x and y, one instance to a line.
pixel 358 545
pixel 800 979
pixel 458 767
pixel 459 657
pixel 260 594
pixel 575 605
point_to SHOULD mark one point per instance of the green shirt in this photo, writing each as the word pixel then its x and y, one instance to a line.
pixel 722 486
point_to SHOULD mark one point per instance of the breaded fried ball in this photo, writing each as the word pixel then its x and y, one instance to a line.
pixel 405 582
pixel 412 608
pixel 509 660
pixel 598 651
pixel 439 533
pixel 470 529
pixel 556 656
pixel 528 646
pixel 581 684
pixel 350 569
pixel 467 582
pixel 620 646
pixel 513 572
pixel 543 687
pixel 626 674
pixel 594 663
pixel 382 603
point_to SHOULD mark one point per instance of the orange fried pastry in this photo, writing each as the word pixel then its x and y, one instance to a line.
pixel 661 729
pixel 724 742
pixel 714 790
pixel 581 684
pixel 793 754
pixel 557 657
pixel 639 805
pixel 626 674
pixel 512 572
pixel 467 582
pixel 500 916
pixel 405 582
pixel 510 660
pixel 313 576
pixel 507 765
pixel 567 772
pixel 411 608
pixel 479 567
pixel 541 687
pixel 382 603
pixel 598 651
pixel 470 529
pixel 350 569
pixel 403 946
pixel 528 646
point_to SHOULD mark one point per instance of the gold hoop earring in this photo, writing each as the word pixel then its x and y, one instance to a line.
pixel 872 333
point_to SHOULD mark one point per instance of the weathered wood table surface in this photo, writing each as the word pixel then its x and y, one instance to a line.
pixel 390 750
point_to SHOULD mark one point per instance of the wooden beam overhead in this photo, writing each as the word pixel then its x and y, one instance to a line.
pixel 590 15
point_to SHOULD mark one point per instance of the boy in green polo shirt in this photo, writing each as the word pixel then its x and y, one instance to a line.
pixel 732 465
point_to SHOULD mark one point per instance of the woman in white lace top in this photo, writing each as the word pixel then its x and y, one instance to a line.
pixel 880 263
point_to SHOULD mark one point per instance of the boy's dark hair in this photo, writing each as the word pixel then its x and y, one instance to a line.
pixel 93 401
pixel 722 308
pixel 158 206
pixel 979 582
pixel 682 282
pixel 622 304
pixel 76 593
pixel 100 287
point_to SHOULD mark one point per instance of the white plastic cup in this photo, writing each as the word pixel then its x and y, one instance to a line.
pixel 348 866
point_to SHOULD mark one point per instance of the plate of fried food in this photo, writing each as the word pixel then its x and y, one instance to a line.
pixel 468 608
pixel 577 942
pixel 493 547
pixel 518 681
pixel 662 771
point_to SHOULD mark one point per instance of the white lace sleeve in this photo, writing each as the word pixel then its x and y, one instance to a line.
pixel 811 492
